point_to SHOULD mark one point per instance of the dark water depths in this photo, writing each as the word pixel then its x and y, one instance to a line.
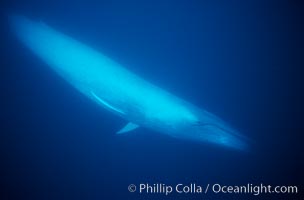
pixel 240 60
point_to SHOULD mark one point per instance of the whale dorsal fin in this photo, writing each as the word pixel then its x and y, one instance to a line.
pixel 129 127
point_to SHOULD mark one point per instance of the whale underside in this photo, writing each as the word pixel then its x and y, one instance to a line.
pixel 120 91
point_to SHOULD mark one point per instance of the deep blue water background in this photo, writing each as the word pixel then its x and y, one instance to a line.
pixel 241 60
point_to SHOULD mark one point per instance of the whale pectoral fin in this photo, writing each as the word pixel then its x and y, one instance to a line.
pixel 129 127
pixel 106 104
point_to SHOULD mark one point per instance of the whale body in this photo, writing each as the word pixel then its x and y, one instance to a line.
pixel 120 91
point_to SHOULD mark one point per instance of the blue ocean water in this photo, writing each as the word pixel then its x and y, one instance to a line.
pixel 240 60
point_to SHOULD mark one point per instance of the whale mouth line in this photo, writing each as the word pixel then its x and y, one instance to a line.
pixel 202 124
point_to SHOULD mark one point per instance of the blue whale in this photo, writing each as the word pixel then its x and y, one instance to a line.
pixel 120 91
